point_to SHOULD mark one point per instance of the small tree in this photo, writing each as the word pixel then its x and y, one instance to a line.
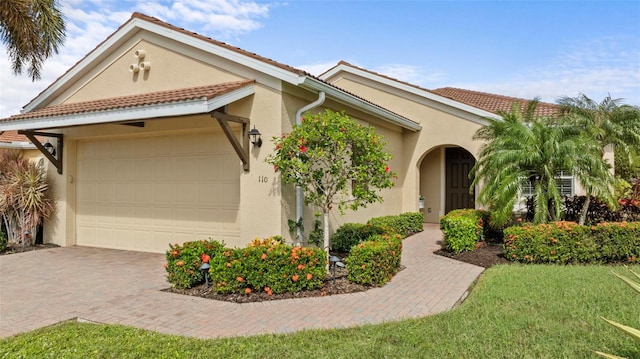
pixel 25 196
pixel 335 161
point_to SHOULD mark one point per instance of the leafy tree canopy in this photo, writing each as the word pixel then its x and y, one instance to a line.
pixel 336 161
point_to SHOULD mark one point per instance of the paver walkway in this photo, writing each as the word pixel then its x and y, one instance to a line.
pixel 43 287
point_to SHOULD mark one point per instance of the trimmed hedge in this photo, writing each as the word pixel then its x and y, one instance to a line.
pixel 376 261
pixel 405 224
pixel 268 266
pixel 462 229
pixel 568 243
pixel 184 261
pixel 350 234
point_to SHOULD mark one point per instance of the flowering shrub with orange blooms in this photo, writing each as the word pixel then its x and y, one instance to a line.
pixel 376 261
pixel 269 266
pixel 568 242
pixel 462 229
pixel 184 261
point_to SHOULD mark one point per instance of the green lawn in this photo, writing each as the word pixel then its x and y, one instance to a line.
pixel 534 311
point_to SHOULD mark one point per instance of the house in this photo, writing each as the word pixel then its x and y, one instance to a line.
pixel 151 131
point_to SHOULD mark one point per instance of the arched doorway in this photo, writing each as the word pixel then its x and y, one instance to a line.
pixel 457 184
pixel 444 181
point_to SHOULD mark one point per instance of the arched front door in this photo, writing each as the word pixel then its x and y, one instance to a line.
pixel 458 164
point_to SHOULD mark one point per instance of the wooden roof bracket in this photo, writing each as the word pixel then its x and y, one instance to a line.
pixel 56 157
pixel 242 149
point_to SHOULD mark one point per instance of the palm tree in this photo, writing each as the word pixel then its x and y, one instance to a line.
pixel 32 30
pixel 522 149
pixel 25 196
pixel 608 123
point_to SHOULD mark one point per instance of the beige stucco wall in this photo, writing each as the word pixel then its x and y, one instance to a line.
pixel 441 127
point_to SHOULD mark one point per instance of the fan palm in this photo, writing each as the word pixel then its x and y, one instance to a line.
pixel 522 149
pixel 32 30
pixel 608 123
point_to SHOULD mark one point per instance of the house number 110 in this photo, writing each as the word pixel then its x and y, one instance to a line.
pixel 263 179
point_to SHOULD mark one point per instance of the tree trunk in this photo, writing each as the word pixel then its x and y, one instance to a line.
pixel 584 210
pixel 326 236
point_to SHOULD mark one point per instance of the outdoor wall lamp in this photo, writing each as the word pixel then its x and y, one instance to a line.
pixel 49 147
pixel 255 137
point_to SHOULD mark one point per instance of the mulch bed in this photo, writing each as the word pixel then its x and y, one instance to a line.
pixel 485 255
pixel 12 248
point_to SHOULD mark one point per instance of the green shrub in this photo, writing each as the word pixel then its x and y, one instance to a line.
pixel 619 242
pixel 568 242
pixel 462 229
pixel 376 261
pixel 184 261
pixel 268 266
pixel 405 224
pixel 350 234
pixel 3 241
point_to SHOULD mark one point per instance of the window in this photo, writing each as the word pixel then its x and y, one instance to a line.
pixel 564 181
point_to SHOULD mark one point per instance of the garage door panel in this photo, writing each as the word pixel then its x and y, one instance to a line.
pixel 163 193
pixel 185 194
pixel 145 193
pixel 228 193
pixel 124 216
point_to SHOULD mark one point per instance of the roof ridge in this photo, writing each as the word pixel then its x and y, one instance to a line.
pixel 493 95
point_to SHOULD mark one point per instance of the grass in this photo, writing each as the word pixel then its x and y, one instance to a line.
pixel 514 311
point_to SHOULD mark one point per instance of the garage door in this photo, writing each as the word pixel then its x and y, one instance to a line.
pixel 144 193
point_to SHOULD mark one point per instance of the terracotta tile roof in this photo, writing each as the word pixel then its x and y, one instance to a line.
pixel 12 136
pixel 145 99
pixel 493 103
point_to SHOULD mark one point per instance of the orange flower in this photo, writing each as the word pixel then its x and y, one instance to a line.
pixel 295 277
pixel 363 266
pixel 309 276
pixel 247 290
pixel 179 263
pixel 228 264
pixel 301 266
pixel 264 256
pixel 174 254
pixel 205 258
pixel 240 279
pixel 165 265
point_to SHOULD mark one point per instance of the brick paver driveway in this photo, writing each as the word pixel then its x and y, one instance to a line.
pixel 43 287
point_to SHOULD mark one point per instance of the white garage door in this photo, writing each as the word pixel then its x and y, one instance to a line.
pixel 144 193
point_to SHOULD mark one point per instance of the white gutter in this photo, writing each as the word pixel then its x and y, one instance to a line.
pixel 299 194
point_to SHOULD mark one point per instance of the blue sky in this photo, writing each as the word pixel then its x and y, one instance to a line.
pixel 513 48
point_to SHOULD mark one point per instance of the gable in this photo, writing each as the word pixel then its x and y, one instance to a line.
pixel 399 96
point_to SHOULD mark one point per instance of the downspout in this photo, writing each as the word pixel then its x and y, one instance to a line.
pixel 299 195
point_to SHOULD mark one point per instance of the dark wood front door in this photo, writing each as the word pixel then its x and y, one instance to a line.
pixel 458 164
